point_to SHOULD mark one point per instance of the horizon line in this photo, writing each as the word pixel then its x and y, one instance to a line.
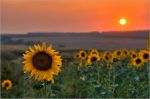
pixel 76 32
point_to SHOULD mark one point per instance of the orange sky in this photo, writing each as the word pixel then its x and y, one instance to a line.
pixel 21 16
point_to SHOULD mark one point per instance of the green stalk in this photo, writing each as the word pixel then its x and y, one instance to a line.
pixel 98 71
pixel 45 89
pixel 109 81
pixel 113 82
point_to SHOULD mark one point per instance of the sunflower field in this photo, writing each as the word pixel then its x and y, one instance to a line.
pixel 43 72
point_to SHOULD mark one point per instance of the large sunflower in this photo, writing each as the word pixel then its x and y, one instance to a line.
pixel 7 84
pixel 93 58
pixel 137 62
pixel 41 62
pixel 144 55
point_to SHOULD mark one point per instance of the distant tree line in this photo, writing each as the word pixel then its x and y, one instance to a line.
pixel 7 40
pixel 127 34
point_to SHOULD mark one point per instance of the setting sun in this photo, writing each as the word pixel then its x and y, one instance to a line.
pixel 122 21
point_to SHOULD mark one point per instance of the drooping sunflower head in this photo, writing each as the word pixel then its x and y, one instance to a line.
pixel 41 62
pixel 144 55
pixel 92 58
pixel 137 62
pixel 7 84
pixel 83 54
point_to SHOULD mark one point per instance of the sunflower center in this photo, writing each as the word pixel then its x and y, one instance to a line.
pixel 82 54
pixel 93 59
pixel 106 57
pixel 125 52
pixel 101 59
pixel 42 61
pixel 77 56
pixel 93 52
pixel 134 55
pixel 138 61
pixel 115 59
pixel 6 85
pixel 145 56
pixel 118 53
pixel 107 53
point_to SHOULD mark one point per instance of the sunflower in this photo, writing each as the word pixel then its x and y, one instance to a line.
pixel 107 58
pixel 42 63
pixel 137 62
pixel 92 58
pixel 89 50
pixel 76 56
pixel 7 84
pixel 144 55
pixel 109 66
pixel 82 54
pixel 94 52
pixel 117 53
pixel 101 58
pixel 107 53
pixel 115 59
pixel 125 53
pixel 133 54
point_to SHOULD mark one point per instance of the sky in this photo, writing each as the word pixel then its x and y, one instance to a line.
pixel 22 16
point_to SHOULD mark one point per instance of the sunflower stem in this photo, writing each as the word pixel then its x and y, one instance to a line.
pixel 45 89
pixel 114 77
pixel 98 72
pixel 109 81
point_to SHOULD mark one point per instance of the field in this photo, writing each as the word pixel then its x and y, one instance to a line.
pixel 76 79
pixel 90 42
